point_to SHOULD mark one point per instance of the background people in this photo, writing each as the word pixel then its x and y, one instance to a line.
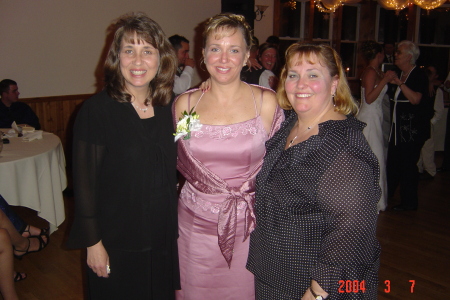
pixel 317 192
pixel 220 161
pixel 268 58
pixel 7 274
pixel 125 169
pixel 426 164
pixel 13 243
pixel 26 230
pixel 186 65
pixel 373 88
pixel 446 162
pixel 410 126
pixel 12 110
pixel 389 49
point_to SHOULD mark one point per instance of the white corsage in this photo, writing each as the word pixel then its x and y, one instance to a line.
pixel 188 123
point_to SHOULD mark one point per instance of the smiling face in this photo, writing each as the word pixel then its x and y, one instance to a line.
pixel 309 86
pixel 139 63
pixel 268 58
pixel 225 54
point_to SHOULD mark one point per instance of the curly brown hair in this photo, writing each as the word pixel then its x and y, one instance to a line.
pixel 369 49
pixel 145 29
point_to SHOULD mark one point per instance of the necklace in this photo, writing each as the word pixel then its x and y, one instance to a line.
pixel 141 109
pixel 314 123
pixel 380 74
pixel 407 74
pixel 296 136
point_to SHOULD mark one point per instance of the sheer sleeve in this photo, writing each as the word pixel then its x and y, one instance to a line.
pixel 88 154
pixel 347 194
pixel 278 118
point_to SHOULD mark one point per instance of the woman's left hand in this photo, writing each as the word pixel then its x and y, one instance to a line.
pixel 253 63
pixel 308 296
pixel 206 85
pixel 317 290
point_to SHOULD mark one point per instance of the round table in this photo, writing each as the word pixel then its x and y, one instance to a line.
pixel 32 174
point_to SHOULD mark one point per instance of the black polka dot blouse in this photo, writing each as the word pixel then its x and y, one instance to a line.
pixel 316 214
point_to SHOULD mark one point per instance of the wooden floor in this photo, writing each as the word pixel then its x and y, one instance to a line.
pixel 415 246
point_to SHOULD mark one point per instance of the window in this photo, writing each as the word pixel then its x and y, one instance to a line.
pixel 290 21
pixel 392 25
pixel 433 36
pixel 349 38
pixel 323 23
pixel 434 26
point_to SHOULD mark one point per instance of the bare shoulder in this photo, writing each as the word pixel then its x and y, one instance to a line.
pixel 368 73
pixel 268 105
pixel 182 102
pixel 368 77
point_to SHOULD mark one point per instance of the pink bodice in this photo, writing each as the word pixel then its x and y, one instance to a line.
pixel 230 151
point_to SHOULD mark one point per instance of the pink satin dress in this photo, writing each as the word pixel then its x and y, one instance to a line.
pixel 232 152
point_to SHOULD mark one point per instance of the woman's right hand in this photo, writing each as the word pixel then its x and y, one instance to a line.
pixel 98 259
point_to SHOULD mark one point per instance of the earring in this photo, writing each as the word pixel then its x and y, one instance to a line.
pixel 332 98
pixel 202 61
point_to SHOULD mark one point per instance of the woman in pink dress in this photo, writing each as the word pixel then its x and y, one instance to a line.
pixel 220 161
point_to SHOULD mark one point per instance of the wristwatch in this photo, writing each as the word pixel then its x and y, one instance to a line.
pixel 317 297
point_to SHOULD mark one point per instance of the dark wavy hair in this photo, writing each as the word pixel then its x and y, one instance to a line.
pixel 160 88
pixel 327 57
pixel 370 49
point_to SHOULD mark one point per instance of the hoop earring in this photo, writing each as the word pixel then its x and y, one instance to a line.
pixel 202 61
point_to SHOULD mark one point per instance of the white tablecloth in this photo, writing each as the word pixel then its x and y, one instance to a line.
pixel 33 174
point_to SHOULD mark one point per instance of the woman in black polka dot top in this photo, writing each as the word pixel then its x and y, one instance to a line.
pixel 317 192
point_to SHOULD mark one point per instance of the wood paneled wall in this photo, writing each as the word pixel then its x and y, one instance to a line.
pixel 57 114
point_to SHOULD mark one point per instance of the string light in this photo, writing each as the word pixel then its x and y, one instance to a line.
pixel 429 4
pixel 330 8
pixel 292 4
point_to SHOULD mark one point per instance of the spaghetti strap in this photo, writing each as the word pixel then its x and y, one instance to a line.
pixel 260 107
pixel 197 101
pixel 189 101
pixel 254 101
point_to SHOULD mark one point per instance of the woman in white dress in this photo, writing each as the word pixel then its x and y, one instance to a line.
pixel 373 88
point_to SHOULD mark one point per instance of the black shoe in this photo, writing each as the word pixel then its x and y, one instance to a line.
pixel 425 176
pixel 404 208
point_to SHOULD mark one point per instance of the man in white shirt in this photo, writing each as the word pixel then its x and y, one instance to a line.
pixel 186 65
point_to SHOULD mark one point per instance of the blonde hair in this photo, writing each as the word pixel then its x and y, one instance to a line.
pixel 327 57
pixel 227 24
